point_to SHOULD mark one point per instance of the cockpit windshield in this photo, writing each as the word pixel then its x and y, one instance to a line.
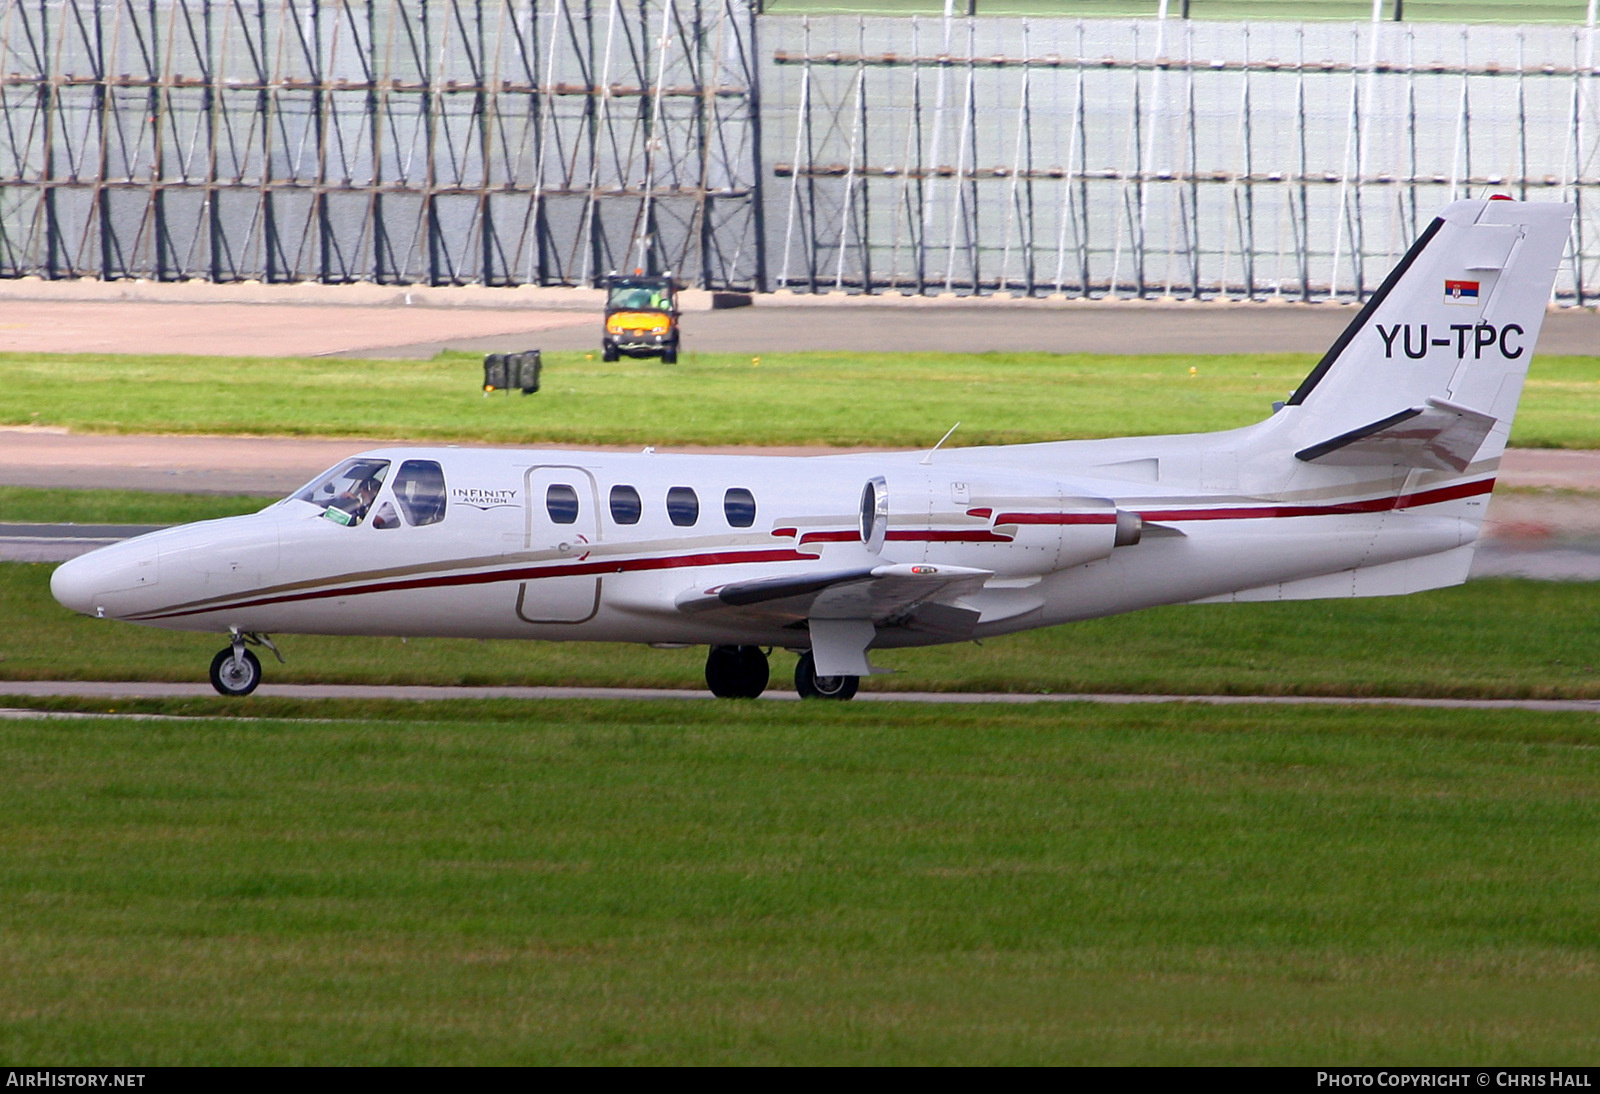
pixel 346 493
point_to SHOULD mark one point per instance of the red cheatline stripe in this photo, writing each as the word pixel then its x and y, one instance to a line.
pixel 934 536
pixel 1056 518
pixel 527 573
pixel 1445 493
pixel 830 537
pixel 906 535
pixel 1371 505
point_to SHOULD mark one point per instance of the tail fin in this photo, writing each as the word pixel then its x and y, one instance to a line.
pixel 1429 373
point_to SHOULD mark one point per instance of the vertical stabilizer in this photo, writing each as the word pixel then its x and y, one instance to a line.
pixel 1444 343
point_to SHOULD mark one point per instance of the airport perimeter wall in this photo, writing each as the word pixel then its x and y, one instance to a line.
pixel 550 141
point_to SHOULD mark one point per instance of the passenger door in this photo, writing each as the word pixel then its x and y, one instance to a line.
pixel 563 519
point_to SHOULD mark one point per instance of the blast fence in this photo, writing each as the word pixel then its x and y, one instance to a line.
pixel 1162 158
pixel 550 141
pixel 404 141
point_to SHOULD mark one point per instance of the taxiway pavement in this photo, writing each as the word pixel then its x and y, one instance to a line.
pixel 113 690
pixel 375 321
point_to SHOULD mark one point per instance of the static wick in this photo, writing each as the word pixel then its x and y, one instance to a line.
pixel 929 457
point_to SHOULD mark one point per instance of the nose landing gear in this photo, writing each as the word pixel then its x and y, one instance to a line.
pixel 736 672
pixel 235 670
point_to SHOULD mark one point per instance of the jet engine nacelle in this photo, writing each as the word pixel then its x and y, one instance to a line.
pixel 1012 526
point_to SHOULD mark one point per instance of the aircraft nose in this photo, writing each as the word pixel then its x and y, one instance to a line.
pixel 108 581
pixel 75 583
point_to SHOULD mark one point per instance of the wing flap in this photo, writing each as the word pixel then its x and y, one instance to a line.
pixel 1440 436
pixel 769 590
pixel 882 594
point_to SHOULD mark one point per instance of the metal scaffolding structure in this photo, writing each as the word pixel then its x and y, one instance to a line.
pixel 551 141
pixel 1162 157
pixel 399 141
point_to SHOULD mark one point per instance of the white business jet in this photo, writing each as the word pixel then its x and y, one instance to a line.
pixel 1371 480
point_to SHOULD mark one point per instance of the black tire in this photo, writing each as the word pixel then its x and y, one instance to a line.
pixel 609 353
pixel 231 680
pixel 737 672
pixel 669 356
pixel 812 686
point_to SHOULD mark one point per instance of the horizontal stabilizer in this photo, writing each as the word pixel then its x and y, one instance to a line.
pixel 1440 436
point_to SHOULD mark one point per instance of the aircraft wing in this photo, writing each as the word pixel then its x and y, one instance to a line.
pixel 1440 436
pixel 878 593
pixel 843 608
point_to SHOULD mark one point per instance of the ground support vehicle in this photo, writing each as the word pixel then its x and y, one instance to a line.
pixel 641 318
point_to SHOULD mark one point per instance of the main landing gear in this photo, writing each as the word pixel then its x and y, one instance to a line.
pixel 235 670
pixel 741 672
pixel 736 672
pixel 812 686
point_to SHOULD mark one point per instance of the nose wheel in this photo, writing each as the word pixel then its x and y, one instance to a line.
pixel 736 672
pixel 812 686
pixel 235 671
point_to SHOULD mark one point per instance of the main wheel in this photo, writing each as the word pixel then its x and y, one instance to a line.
pixel 736 672
pixel 669 356
pixel 232 677
pixel 812 686
pixel 609 352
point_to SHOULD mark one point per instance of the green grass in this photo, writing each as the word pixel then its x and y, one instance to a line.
pixel 32 504
pixel 717 399
pixel 760 883
pixel 1501 638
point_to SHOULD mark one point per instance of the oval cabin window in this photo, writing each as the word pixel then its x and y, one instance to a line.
pixel 683 506
pixel 625 505
pixel 561 501
pixel 740 507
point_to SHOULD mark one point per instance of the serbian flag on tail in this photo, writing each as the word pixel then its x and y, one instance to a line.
pixel 1460 292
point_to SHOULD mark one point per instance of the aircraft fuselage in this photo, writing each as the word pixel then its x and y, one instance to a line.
pixel 503 562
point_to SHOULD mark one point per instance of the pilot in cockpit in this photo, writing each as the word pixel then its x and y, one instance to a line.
pixel 357 500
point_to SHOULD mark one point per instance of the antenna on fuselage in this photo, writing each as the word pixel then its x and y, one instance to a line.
pixel 929 457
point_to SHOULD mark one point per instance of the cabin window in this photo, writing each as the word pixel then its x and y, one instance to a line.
pixel 561 501
pixel 740 506
pixel 346 493
pixel 625 505
pixel 683 506
pixel 419 488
